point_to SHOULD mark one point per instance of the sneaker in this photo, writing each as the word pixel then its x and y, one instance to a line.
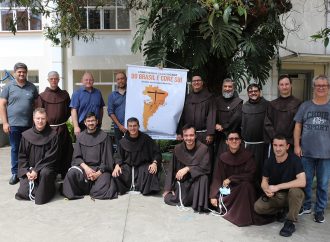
pixel 288 229
pixel 305 211
pixel 319 217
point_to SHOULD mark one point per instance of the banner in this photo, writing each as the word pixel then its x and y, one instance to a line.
pixel 155 97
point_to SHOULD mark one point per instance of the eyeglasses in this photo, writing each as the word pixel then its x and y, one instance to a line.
pixel 321 86
pixel 234 138
pixel 253 91
pixel 198 80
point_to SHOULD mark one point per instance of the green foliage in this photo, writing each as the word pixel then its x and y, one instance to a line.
pixel 218 38
pixel 166 145
pixel 66 17
pixel 71 130
pixel 322 35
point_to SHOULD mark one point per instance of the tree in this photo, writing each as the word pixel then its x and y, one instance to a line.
pixel 66 17
pixel 216 38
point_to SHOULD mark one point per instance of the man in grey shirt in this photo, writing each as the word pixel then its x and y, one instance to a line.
pixel 16 107
pixel 311 143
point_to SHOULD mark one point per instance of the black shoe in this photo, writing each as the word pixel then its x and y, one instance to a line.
pixel 287 229
pixel 13 180
pixel 319 217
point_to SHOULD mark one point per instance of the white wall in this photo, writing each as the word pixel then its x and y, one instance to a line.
pixel 305 19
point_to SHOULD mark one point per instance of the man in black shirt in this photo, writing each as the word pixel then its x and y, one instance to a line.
pixel 282 182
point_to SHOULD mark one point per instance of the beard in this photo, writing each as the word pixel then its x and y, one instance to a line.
pixel 228 94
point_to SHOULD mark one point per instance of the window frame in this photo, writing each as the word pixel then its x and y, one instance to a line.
pixel 101 9
pixel 14 11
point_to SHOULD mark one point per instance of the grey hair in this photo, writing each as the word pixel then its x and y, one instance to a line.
pixel 53 73
pixel 228 80
pixel 321 77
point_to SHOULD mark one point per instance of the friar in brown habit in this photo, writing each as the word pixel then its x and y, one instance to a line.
pixel 37 156
pixel 187 180
pixel 137 162
pixel 253 116
pixel 281 111
pixel 236 169
pixel 56 103
pixel 199 110
pixel 228 114
pixel 92 164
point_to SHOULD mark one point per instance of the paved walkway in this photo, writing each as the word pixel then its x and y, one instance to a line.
pixel 132 218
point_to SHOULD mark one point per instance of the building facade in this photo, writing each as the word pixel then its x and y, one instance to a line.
pixel 110 52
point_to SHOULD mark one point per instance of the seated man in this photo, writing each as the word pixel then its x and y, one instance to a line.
pixel 236 169
pixel 92 164
pixel 187 179
pixel 283 181
pixel 37 156
pixel 137 161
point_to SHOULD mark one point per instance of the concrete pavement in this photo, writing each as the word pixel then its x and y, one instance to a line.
pixel 129 218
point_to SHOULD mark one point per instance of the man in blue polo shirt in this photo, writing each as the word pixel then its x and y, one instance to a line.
pixel 85 100
pixel 16 107
pixel 116 106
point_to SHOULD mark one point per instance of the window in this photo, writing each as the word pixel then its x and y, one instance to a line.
pixel 21 17
pixel 113 15
pixel 104 80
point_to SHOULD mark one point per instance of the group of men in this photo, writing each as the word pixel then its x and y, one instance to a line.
pixel 41 146
pixel 254 148
pixel 270 150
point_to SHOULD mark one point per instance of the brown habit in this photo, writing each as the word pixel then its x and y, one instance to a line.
pixel 199 110
pixel 38 149
pixel 229 116
pixel 194 184
pixel 240 169
pixel 279 118
pixel 56 102
pixel 95 150
pixel 136 155
pixel 253 116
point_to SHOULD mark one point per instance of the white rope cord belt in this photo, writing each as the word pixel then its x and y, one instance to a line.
pixel 31 187
pixel 201 131
pixel 132 188
pixel 221 205
pixel 253 143
pixel 57 125
pixel 79 169
pixel 181 207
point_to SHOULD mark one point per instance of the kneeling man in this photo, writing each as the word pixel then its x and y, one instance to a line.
pixel 283 181
pixel 92 164
pixel 37 156
pixel 236 169
pixel 187 181
pixel 137 161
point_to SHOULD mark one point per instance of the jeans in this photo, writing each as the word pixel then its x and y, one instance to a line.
pixel 320 168
pixel 15 136
pixel 118 135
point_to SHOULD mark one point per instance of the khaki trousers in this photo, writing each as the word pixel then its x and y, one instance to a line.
pixel 293 199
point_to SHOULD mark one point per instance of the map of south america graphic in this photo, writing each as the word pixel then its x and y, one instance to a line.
pixel 157 98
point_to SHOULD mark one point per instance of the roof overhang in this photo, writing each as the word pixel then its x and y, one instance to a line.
pixel 304 58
